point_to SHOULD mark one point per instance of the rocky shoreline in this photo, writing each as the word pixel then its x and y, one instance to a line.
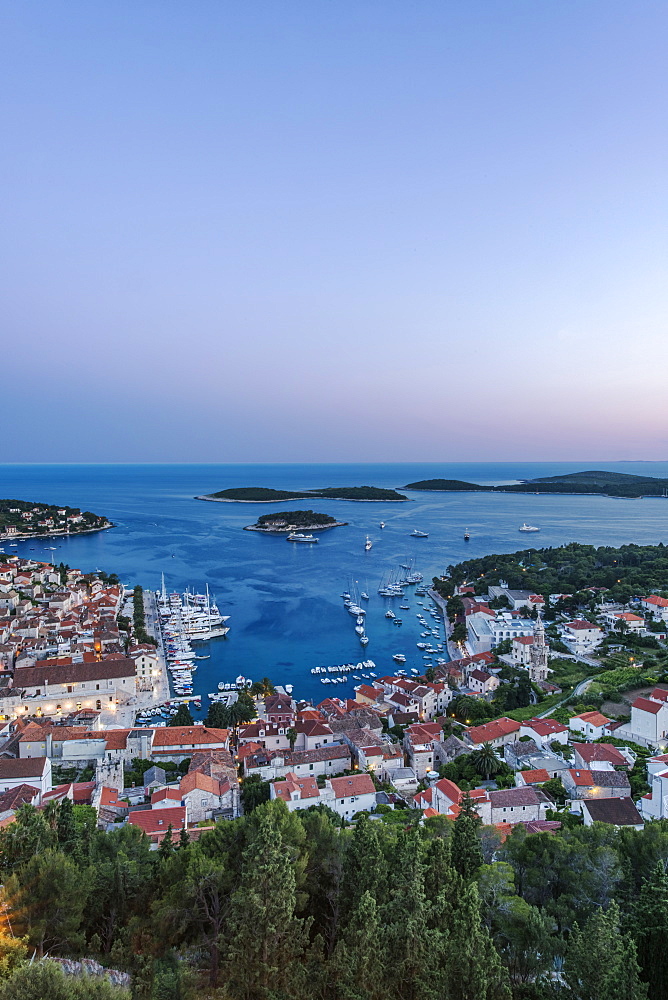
pixel 292 527
pixel 53 534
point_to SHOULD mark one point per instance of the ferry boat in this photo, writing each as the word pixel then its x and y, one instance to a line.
pixel 528 527
pixel 419 534
pixel 298 536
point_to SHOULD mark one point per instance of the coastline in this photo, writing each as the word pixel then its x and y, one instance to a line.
pixel 55 534
pixel 301 527
pixel 213 499
pixel 547 493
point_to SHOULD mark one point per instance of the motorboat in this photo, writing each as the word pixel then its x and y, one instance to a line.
pixel 382 524
pixel 390 613
pixel 364 639
pixel 466 535
pixel 298 536
pixel 367 544
pixel 399 658
pixel 419 534
pixel 364 596
pixel 528 527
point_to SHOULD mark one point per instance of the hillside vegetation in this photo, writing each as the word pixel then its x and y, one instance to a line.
pixel 626 571
pixel 261 494
pixel 612 484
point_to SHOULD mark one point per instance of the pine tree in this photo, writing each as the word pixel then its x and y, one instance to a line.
pixel 601 962
pixel 364 867
pixel 184 839
pixel 66 827
pixel 409 945
pixel 650 930
pixel 266 939
pixel 166 844
pixel 357 965
pixel 467 854
pixel 470 966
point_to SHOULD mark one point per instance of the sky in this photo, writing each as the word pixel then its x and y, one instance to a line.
pixel 308 230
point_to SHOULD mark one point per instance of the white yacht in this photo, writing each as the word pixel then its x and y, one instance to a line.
pixel 399 658
pixel 298 536
pixel 382 524
pixel 419 534
pixel 367 544
pixel 528 527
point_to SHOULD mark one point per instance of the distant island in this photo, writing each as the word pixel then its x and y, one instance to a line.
pixel 610 484
pixel 260 494
pixel 291 520
pixel 28 519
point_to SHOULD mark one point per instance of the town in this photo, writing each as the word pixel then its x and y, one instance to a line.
pixel 22 519
pixel 504 743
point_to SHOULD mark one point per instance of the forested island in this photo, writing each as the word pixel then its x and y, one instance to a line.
pixel 610 484
pixel 291 520
pixel 29 519
pixel 261 494
pixel 623 571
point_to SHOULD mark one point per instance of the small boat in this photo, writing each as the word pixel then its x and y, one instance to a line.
pixel 364 639
pixel 382 524
pixel 405 607
pixel 364 596
pixel 359 629
pixel 419 534
pixel 528 527
pixel 297 536
pixel 367 544
pixel 389 613
pixel 399 658
pixel 466 535
pixel 289 688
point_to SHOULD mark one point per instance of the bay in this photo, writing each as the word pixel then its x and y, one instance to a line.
pixel 286 613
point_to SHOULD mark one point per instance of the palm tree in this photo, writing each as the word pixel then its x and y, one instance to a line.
pixel 486 761
pixel 292 736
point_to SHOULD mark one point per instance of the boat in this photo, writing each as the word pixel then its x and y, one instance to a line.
pixel 364 596
pixel 419 534
pixel 364 639
pixel 359 629
pixel 298 536
pixel 405 607
pixel 399 658
pixel 389 613
pixel 528 527
pixel 382 524
pixel 289 688
pixel 466 535
pixel 367 544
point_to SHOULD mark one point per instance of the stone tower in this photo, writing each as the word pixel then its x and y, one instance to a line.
pixel 538 669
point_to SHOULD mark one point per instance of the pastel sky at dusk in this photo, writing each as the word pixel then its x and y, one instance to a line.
pixel 334 230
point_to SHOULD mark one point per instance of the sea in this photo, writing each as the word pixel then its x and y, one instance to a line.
pixel 284 600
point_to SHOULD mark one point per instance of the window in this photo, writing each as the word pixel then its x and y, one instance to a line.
pixel 97 687
pixel 310 767
pixel 69 689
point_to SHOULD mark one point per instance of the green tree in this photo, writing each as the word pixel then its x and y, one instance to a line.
pixel 266 940
pixel 46 981
pixel 182 717
pixel 358 966
pixel 650 931
pixel 486 761
pixel 218 716
pixel 45 902
pixel 601 962
pixel 466 850
pixel 364 867
pixel 254 791
pixel 292 736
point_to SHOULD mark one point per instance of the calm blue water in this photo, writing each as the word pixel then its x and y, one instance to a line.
pixel 283 599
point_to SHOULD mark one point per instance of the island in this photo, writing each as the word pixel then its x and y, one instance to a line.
pixel 28 519
pixel 610 484
pixel 293 520
pixel 261 494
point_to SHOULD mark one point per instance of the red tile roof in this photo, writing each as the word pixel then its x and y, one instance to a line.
pixel 493 730
pixel 356 784
pixel 536 777
pixel 593 718
pixel 645 705
pixel 156 822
